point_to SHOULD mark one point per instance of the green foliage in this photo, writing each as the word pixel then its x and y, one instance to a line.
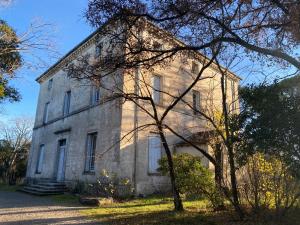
pixel 10 58
pixel 10 61
pixel 109 185
pixel 268 184
pixel 271 122
pixel 193 179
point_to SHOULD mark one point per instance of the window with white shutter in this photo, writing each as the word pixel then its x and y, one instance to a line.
pixel 46 109
pixel 196 101
pixel 67 101
pixel 39 164
pixel 154 153
pixel 95 95
pixel 156 84
pixel 50 83
pixel 233 103
pixel 90 152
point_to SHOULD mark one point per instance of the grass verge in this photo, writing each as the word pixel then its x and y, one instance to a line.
pixel 10 188
pixel 159 211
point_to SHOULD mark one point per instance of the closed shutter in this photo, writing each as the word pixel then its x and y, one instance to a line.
pixel 46 109
pixel 40 159
pixel 67 102
pixel 154 153
pixel 90 152
pixel 156 89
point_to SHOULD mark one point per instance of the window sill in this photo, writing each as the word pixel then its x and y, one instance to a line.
pixel 155 174
pixel 89 173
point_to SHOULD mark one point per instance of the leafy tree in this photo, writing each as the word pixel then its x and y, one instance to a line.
pixel 193 179
pixel 10 61
pixel 268 183
pixel 271 122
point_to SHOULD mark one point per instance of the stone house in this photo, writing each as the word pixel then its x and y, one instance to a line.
pixel 77 134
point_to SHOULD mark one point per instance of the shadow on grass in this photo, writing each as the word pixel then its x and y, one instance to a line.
pixel 139 212
pixel 160 217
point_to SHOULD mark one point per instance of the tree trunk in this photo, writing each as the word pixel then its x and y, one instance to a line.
pixel 235 196
pixel 229 145
pixel 219 175
pixel 177 200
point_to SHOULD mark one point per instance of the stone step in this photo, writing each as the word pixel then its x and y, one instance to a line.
pixel 39 193
pixel 46 187
pixel 51 184
pixel 44 190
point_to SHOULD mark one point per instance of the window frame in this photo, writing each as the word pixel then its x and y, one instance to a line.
pixel 90 153
pixel 50 84
pixel 94 100
pixel 40 159
pixel 233 96
pixel 195 68
pixel 152 135
pixel 197 102
pixel 155 91
pixel 46 113
pixel 67 103
pixel 98 49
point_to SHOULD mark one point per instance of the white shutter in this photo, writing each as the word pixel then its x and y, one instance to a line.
pixel 67 101
pixel 88 153
pixel 40 159
pixel 46 109
pixel 154 146
pixel 156 89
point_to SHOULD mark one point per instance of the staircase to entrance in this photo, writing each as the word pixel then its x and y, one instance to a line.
pixel 45 187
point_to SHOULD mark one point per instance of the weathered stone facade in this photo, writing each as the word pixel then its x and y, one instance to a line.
pixel 111 120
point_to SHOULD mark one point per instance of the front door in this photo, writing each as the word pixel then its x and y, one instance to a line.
pixel 61 160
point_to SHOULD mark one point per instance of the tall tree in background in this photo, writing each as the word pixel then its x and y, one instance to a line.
pixel 10 61
pixel 23 49
pixel 14 148
pixel 272 122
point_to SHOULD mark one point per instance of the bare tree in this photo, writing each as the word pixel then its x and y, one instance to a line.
pixel 15 143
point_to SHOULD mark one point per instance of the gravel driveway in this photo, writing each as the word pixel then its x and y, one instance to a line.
pixel 18 208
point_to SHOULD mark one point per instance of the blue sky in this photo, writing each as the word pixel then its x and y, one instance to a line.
pixel 66 16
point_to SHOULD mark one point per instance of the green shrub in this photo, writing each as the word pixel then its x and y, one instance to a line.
pixel 267 183
pixel 109 185
pixel 192 178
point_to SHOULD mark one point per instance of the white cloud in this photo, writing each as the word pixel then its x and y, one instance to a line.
pixel 6 3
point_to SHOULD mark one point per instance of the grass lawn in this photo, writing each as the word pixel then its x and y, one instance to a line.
pixel 158 210
pixel 65 199
pixel 11 188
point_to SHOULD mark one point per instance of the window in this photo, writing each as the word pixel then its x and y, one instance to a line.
pixel 156 85
pixel 154 153
pixel 233 96
pixel 157 45
pixel 46 109
pixel 40 160
pixel 196 101
pixel 116 143
pixel 90 152
pixel 95 95
pixel 195 68
pixel 67 102
pixel 99 47
pixel 50 83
